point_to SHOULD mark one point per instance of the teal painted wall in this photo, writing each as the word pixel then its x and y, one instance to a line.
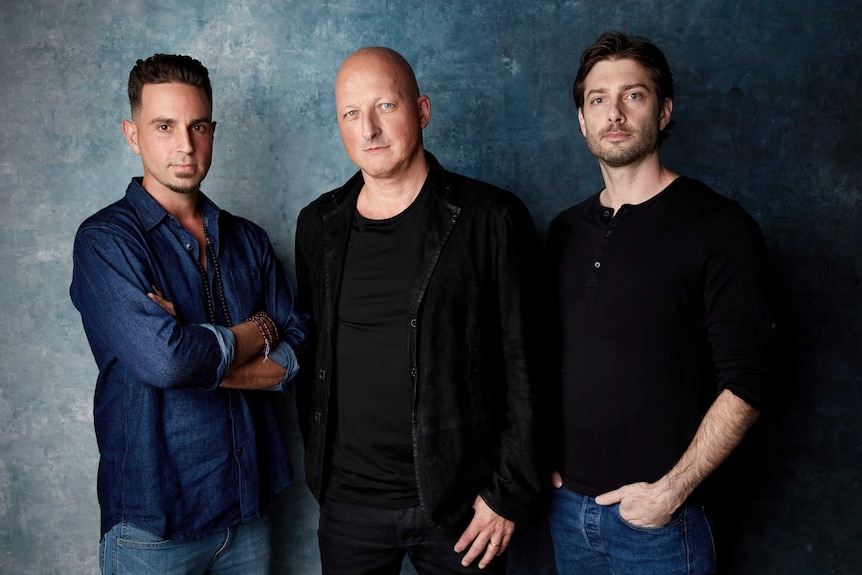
pixel 767 112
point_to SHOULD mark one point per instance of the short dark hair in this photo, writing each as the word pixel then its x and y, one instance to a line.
pixel 618 45
pixel 165 69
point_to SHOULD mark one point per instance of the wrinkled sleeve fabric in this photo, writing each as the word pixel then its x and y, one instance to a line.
pixel 112 275
pixel 280 304
pixel 739 317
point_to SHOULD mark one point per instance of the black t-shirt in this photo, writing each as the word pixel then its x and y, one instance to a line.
pixel 662 305
pixel 371 457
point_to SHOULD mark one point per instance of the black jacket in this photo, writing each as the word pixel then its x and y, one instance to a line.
pixel 472 356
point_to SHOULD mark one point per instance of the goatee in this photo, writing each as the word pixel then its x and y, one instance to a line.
pixel 185 189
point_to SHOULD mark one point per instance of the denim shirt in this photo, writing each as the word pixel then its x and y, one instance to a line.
pixel 180 456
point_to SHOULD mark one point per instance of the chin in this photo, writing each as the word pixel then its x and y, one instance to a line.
pixel 190 186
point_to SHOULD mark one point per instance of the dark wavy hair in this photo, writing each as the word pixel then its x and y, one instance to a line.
pixel 165 69
pixel 614 45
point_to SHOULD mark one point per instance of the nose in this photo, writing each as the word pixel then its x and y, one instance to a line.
pixel 615 112
pixel 185 141
pixel 370 127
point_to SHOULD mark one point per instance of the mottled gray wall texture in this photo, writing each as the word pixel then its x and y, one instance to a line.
pixel 767 111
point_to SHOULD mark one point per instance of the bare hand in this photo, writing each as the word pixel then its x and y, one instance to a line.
pixel 157 297
pixel 556 479
pixel 643 504
pixel 488 535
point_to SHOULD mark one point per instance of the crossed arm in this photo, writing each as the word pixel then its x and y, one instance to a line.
pixel 248 370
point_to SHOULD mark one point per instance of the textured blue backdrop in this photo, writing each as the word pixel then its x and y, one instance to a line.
pixel 766 113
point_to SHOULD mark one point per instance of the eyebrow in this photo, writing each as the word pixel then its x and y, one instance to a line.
pixel 625 88
pixel 159 121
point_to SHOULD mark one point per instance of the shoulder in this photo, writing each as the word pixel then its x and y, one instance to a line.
pixel 479 197
pixel 694 195
pixel 721 219
pixel 330 201
pixel 117 218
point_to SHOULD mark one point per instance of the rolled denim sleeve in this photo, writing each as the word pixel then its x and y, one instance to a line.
pixel 227 345
pixel 283 355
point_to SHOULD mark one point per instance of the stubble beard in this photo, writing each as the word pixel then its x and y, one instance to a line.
pixel 617 155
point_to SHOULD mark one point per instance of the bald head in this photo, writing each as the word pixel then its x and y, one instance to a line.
pixel 378 60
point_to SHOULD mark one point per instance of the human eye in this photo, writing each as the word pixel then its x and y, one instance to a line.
pixel 201 128
pixel 350 114
pixel 163 128
pixel 597 100
pixel 635 96
pixel 387 106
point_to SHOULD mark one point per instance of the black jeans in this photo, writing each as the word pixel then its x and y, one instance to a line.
pixel 355 539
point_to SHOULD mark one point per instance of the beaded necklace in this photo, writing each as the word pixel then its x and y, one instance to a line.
pixel 217 272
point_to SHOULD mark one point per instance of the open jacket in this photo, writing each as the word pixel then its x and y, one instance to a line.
pixel 471 350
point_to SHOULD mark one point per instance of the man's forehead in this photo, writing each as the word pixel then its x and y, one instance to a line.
pixel 621 71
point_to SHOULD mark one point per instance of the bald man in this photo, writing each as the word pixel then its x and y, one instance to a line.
pixel 418 416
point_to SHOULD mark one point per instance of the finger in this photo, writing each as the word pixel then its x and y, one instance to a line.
pixel 504 542
pixel 489 555
pixel 466 538
pixel 480 546
pixel 610 497
pixel 556 479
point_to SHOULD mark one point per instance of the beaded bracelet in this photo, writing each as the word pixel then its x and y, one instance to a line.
pixel 270 337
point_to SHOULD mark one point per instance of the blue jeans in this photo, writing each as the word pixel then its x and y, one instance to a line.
pixel 243 549
pixel 360 540
pixel 593 539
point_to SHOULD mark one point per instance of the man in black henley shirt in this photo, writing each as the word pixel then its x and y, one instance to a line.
pixel 664 330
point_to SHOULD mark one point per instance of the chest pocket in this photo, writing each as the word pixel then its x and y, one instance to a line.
pixel 247 286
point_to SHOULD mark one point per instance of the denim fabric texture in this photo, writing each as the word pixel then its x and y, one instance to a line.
pixel 592 539
pixel 361 540
pixel 180 457
pixel 240 550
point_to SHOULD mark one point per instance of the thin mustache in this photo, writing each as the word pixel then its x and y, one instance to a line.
pixel 616 129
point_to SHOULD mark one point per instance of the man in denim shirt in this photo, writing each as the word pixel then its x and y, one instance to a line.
pixel 190 318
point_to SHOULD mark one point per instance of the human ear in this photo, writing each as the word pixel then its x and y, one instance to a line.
pixel 130 130
pixel 424 103
pixel 664 113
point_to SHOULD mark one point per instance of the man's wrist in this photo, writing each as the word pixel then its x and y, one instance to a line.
pixel 268 331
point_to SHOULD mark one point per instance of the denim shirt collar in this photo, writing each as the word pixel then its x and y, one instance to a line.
pixel 151 213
